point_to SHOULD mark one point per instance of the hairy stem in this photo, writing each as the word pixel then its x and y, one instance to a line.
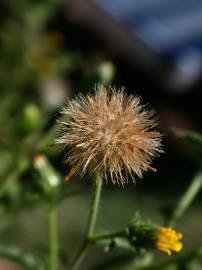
pixel 53 238
pixel 94 205
pixel 91 223
pixel 107 236
pixel 187 198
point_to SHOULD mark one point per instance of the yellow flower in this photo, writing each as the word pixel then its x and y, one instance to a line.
pixel 109 133
pixel 168 240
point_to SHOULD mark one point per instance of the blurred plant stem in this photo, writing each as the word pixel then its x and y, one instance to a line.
pixel 108 236
pixel 187 198
pixel 181 259
pixel 53 238
pixel 91 222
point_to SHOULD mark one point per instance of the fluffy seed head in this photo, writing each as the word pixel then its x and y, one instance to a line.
pixel 109 133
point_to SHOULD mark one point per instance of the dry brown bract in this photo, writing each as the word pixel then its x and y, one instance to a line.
pixel 109 133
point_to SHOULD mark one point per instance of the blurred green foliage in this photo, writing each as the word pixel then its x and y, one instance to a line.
pixel 31 55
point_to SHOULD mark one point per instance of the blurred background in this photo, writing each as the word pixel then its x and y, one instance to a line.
pixel 50 50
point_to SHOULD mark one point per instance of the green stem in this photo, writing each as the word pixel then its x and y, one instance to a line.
pixel 94 205
pixel 107 236
pixel 181 259
pixel 91 223
pixel 79 256
pixel 53 239
pixel 187 198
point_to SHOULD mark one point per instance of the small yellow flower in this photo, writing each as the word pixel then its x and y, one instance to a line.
pixel 168 240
